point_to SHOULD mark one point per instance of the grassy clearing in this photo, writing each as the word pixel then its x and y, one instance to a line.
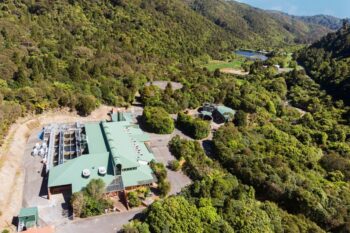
pixel 215 64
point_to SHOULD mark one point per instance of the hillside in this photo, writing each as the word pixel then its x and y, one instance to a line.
pixel 328 61
pixel 327 21
pixel 252 23
pixel 282 164
pixel 82 53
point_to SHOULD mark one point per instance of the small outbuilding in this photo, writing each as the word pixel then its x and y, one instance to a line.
pixel 223 114
pixel 27 218
pixel 218 113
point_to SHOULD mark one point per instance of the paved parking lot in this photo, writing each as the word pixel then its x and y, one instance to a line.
pixel 51 211
pixel 109 223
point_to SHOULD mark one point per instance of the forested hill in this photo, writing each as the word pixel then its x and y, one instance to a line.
pixel 328 21
pixel 79 53
pixel 325 21
pixel 328 61
pixel 252 23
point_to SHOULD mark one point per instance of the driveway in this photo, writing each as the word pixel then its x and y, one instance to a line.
pixel 109 223
pixel 159 146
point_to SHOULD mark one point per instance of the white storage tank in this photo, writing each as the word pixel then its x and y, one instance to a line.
pixel 42 152
pixel 102 171
pixel 35 152
pixel 86 173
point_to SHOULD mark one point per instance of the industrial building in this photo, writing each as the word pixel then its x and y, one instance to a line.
pixel 218 113
pixel 115 151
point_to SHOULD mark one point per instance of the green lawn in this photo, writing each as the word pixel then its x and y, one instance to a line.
pixel 213 65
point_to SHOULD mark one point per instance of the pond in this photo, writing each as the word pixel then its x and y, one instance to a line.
pixel 251 55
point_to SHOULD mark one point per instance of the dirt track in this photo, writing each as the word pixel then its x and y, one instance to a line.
pixel 11 156
pixel 233 71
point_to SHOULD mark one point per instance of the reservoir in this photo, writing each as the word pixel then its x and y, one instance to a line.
pixel 251 55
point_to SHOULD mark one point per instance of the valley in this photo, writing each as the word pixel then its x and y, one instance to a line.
pixel 169 116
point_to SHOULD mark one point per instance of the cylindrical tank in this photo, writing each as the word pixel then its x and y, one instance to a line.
pixel 86 173
pixel 35 152
pixel 42 152
pixel 102 171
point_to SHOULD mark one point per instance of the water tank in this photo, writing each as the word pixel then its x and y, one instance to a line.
pixel 86 173
pixel 42 152
pixel 35 151
pixel 102 171
pixel 37 146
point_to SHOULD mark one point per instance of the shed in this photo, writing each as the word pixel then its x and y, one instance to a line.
pixel 28 218
pixel 224 114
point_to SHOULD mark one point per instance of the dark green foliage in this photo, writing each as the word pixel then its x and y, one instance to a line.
pixel 86 104
pixel 159 170
pixel 197 165
pixel 174 165
pixel 161 174
pixel 133 199
pixel 194 127
pixel 157 120
pixel 90 201
pixel 244 21
pixel 327 62
pixel 164 187
pixel 109 49
pixel 215 189
pixel 135 227
pixel 174 214
pixel 241 118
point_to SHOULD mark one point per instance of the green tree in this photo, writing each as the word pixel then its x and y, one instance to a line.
pixel 164 187
pixel 86 104
pixel 133 199
pixel 136 227
pixel 174 214
pixel 157 120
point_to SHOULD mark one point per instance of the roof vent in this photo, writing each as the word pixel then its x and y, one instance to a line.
pixel 102 171
pixel 86 173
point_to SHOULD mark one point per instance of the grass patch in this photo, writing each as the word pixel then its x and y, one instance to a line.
pixel 215 64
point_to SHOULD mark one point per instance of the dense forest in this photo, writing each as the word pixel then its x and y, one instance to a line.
pixel 282 165
pixel 295 157
pixel 82 53
pixel 327 61
pixel 248 22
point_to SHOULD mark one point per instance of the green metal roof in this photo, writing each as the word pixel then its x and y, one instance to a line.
pixel 95 139
pixel 206 113
pixel 121 116
pixel 143 175
pixel 126 146
pixel 109 143
pixel 25 212
pixel 70 173
pixel 223 110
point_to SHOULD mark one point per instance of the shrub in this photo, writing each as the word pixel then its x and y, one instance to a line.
pixel 194 127
pixel 157 120
pixel 164 187
pixel 133 199
pixel 90 201
pixel 174 165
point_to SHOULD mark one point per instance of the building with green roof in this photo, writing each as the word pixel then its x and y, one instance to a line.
pixel 218 113
pixel 223 113
pixel 116 152
pixel 27 218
